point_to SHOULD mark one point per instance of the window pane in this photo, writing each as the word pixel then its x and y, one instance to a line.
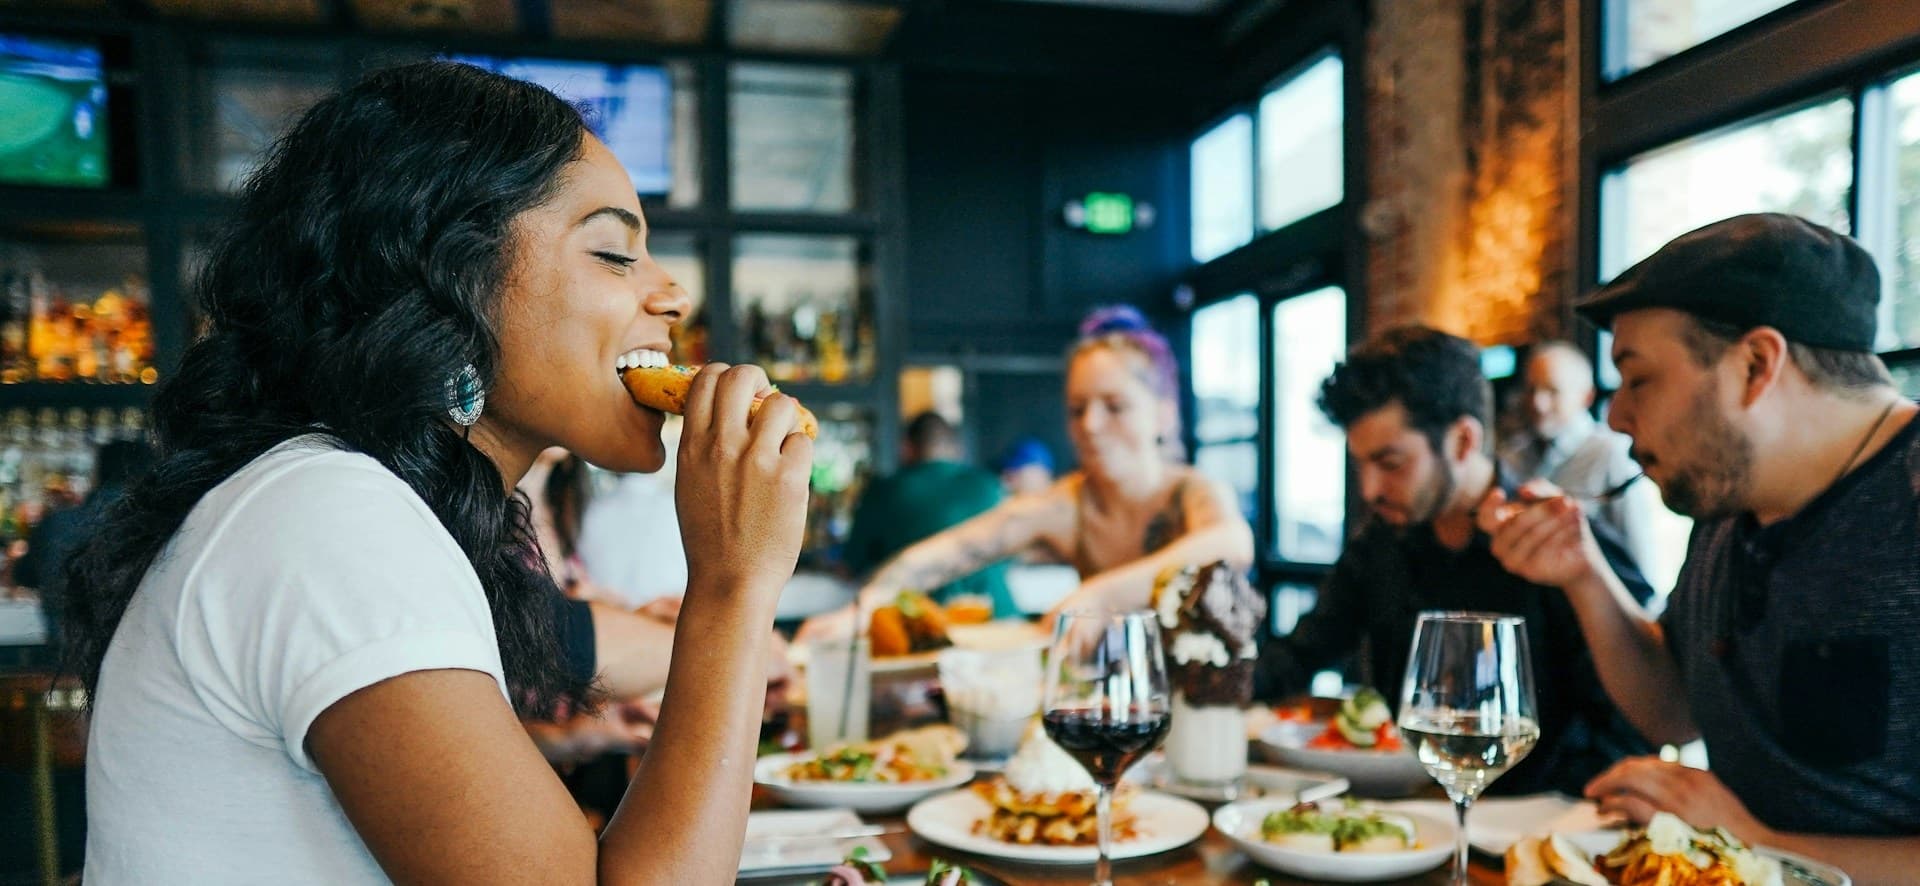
pixel 1900 326
pixel 1906 376
pixel 1235 464
pixel 1800 161
pixel 1310 477
pixel 1300 145
pixel 1641 32
pixel 1223 188
pixel 1291 600
pixel 802 304
pixel 793 138
pixel 1226 362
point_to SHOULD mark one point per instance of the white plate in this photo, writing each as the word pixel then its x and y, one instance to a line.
pixel 1373 773
pixel 1260 781
pixel 1797 870
pixel 770 773
pixel 764 857
pixel 1161 822
pixel 1240 822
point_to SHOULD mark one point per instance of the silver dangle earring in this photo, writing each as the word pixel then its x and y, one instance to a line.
pixel 465 396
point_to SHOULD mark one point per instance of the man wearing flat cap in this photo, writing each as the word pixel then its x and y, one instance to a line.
pixel 1792 642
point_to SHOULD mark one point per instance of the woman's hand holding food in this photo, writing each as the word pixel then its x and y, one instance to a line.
pixel 742 487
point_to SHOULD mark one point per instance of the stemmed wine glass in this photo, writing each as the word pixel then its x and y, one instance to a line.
pixel 1467 706
pixel 1107 702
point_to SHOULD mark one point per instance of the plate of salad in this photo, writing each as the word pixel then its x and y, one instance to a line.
pixel 1337 841
pixel 1359 743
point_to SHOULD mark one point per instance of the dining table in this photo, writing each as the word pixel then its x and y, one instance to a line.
pixel 1211 860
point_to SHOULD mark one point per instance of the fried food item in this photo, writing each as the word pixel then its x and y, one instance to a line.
pixel 926 621
pixel 1050 819
pixel 970 609
pixel 939 741
pixel 914 623
pixel 1667 852
pixel 887 633
pixel 1539 861
pixel 665 388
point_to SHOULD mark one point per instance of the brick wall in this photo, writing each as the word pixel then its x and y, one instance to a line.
pixel 1469 210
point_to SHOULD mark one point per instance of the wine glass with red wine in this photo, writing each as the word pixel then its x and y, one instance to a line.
pixel 1107 702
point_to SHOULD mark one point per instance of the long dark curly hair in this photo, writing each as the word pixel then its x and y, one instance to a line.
pixel 364 266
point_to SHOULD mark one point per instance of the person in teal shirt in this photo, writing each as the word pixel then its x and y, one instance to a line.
pixel 932 491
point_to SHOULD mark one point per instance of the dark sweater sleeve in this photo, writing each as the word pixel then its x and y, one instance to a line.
pixel 1324 635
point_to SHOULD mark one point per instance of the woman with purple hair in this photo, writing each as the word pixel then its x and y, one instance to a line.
pixel 1132 510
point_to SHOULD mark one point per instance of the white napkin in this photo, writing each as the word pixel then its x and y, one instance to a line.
pixel 1495 823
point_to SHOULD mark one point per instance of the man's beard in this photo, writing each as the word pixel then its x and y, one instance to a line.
pixel 1427 503
pixel 1711 483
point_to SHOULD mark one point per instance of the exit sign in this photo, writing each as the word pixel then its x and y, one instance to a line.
pixel 1109 213
pixel 1102 212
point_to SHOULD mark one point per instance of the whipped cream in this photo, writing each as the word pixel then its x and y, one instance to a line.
pixel 1190 647
pixel 1041 767
pixel 1175 591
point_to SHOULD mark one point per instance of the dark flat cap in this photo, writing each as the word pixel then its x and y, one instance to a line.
pixel 1817 287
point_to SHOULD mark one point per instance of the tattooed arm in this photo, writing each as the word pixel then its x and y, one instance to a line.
pixel 1008 529
pixel 1215 530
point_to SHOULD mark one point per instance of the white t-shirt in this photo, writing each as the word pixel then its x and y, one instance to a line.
pixel 307 575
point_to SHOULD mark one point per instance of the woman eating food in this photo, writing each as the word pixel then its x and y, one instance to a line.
pixel 310 628
pixel 1131 511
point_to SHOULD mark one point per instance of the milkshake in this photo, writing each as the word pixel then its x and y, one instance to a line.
pixel 1209 617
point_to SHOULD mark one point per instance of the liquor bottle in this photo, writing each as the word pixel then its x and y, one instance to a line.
pixel 15 308
pixel 77 457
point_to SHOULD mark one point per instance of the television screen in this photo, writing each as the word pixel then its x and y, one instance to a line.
pixel 630 107
pixel 53 99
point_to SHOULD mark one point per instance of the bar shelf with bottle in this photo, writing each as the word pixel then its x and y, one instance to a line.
pixel 804 306
pixel 75 307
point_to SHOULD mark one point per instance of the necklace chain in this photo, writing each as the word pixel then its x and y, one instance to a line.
pixel 1871 432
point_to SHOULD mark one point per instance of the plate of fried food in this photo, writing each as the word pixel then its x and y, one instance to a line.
pixel 1337 841
pixel 909 633
pixel 882 775
pixel 1667 852
pixel 1359 742
pixel 1041 809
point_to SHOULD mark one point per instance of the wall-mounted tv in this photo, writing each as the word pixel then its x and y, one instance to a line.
pixel 53 113
pixel 629 106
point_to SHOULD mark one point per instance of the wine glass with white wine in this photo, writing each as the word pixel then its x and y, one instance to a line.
pixel 1467 706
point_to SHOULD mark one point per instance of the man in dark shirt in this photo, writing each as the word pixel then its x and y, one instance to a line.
pixel 1792 643
pixel 932 491
pixel 1416 411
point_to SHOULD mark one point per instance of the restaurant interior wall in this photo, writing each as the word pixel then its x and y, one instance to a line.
pixel 1012 110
